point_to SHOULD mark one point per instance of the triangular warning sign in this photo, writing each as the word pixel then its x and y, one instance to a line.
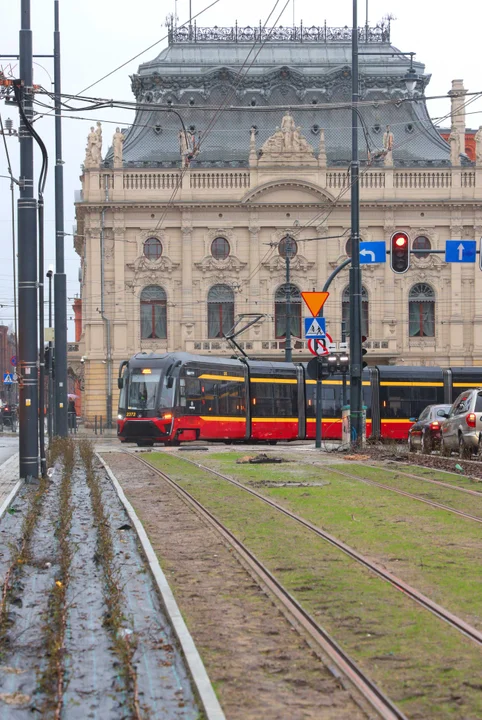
pixel 315 301
pixel 315 329
pixel 7 378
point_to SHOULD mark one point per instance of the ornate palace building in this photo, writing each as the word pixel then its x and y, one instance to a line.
pixel 237 145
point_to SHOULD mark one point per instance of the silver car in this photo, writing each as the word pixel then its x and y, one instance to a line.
pixel 462 428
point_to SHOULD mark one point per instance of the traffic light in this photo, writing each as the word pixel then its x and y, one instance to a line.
pixel 364 351
pixel 399 252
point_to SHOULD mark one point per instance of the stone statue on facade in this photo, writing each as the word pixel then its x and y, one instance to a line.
pixel 287 145
pixel 97 148
pixel 322 150
pixel 388 147
pixel 289 130
pixel 454 140
pixel 117 143
pixel 478 146
pixel 89 155
pixel 253 157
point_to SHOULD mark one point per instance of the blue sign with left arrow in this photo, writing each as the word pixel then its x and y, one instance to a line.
pixel 462 251
pixel 373 252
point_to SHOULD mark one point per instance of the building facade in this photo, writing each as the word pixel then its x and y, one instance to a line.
pixel 182 228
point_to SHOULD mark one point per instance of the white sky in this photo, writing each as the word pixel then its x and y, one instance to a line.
pixel 99 35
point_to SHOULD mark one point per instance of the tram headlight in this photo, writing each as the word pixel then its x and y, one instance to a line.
pixel 120 416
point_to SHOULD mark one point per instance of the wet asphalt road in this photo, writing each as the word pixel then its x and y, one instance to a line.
pixel 8 446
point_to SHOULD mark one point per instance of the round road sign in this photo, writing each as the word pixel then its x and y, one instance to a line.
pixel 318 347
pixel 13 360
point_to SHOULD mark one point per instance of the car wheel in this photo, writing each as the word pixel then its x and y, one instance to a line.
pixel 444 450
pixel 427 445
pixel 479 448
pixel 463 452
pixel 411 447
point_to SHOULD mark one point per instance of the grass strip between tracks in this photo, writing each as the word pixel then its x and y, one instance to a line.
pixel 386 633
pixel 433 550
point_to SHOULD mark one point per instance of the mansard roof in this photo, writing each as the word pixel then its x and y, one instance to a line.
pixel 307 70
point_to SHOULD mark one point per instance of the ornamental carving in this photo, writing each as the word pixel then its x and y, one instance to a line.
pixel 287 146
pixel 151 269
pixel 277 264
pixel 220 268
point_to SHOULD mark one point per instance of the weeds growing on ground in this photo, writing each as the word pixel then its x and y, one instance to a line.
pixel 52 681
pixel 115 620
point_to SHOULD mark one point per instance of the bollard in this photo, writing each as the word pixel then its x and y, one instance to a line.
pixel 101 427
pixel 95 424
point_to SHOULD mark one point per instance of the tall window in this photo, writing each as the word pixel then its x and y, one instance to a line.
pixel 421 311
pixel 345 310
pixel 152 248
pixel 280 300
pixel 153 313
pixel 220 310
pixel 421 243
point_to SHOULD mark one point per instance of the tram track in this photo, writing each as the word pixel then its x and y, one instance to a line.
pixel 378 701
pixel 402 586
pixel 412 496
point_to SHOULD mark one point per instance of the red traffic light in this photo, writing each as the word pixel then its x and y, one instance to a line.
pixel 399 252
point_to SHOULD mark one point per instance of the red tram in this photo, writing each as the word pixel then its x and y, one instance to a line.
pixel 177 397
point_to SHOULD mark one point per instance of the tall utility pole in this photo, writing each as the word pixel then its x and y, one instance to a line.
pixel 356 408
pixel 60 278
pixel 27 266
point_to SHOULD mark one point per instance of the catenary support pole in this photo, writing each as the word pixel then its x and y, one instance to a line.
pixel 288 351
pixel 27 267
pixel 50 365
pixel 60 278
pixel 356 420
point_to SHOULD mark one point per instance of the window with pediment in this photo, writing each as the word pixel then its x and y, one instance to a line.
pixel 421 311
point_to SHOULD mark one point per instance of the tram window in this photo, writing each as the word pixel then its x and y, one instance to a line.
pixel 123 397
pixel 231 398
pixel 406 402
pixel 166 399
pixel 285 400
pixel 262 399
pixel 331 401
pixel 143 389
pixel 190 392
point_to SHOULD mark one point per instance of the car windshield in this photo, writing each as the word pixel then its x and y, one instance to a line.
pixel 478 403
pixel 441 411
pixel 143 389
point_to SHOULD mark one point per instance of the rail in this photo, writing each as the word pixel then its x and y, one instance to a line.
pixel 382 704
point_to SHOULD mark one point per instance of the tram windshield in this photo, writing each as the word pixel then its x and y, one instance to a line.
pixel 143 384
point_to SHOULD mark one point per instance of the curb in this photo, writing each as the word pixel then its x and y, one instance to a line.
pixel 11 496
pixel 205 691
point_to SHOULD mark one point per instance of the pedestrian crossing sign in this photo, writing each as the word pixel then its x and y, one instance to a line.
pixel 315 328
pixel 8 379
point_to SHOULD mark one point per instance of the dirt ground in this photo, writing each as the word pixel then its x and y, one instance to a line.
pixel 259 665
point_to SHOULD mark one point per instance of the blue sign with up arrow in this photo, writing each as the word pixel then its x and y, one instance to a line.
pixel 462 251
pixel 315 328
pixel 373 252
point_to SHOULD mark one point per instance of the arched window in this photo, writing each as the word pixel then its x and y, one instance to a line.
pixel 153 313
pixel 220 310
pixel 220 248
pixel 345 310
pixel 152 248
pixel 280 303
pixel 421 243
pixel 421 311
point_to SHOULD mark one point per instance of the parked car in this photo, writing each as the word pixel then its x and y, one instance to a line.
pixel 425 434
pixel 462 428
